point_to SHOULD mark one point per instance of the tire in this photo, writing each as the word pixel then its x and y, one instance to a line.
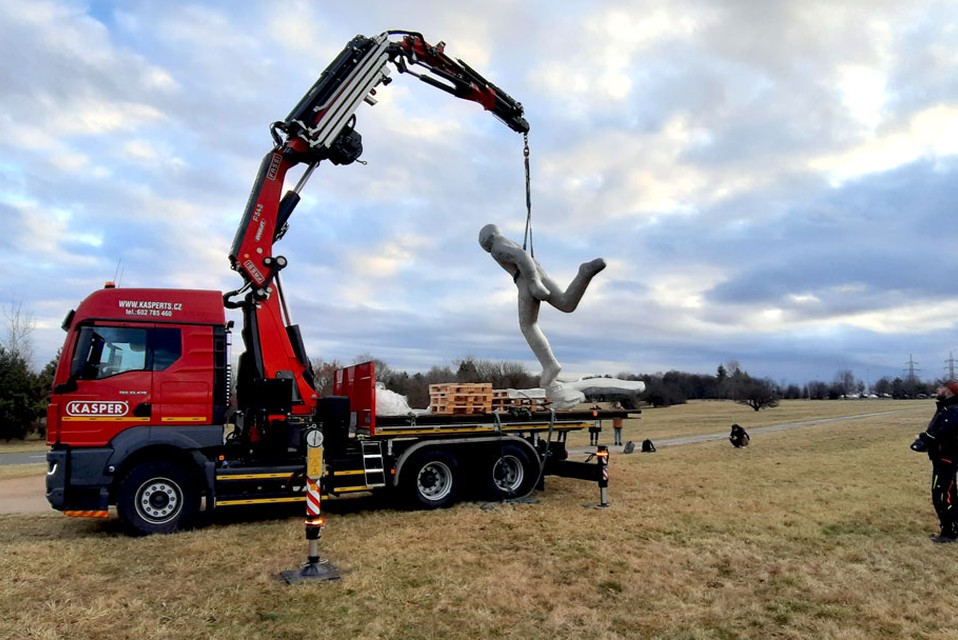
pixel 511 473
pixel 431 480
pixel 157 497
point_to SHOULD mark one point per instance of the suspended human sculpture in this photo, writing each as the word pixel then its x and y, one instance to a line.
pixel 535 287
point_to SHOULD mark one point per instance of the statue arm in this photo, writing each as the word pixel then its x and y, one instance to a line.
pixel 522 267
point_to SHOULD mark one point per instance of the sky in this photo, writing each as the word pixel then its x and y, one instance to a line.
pixel 770 183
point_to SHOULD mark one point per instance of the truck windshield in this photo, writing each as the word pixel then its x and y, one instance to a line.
pixel 106 351
pixel 102 352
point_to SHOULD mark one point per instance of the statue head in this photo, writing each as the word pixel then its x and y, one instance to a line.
pixel 488 235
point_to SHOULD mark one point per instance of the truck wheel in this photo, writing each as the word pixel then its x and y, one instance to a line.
pixel 513 472
pixel 158 497
pixel 431 480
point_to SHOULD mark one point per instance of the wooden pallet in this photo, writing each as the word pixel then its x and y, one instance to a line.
pixel 506 399
pixel 460 398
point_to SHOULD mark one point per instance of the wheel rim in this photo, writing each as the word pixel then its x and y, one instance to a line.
pixel 159 500
pixel 434 481
pixel 508 473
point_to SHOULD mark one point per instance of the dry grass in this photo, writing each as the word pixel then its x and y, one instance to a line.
pixel 819 532
pixel 22 470
pixel 30 443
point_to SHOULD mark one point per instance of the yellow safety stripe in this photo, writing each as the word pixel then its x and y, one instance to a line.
pixel 103 419
pixel 282 476
pixel 255 476
pixel 417 432
pixel 236 503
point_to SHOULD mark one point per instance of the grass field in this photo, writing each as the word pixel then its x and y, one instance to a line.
pixel 818 532
pixel 31 443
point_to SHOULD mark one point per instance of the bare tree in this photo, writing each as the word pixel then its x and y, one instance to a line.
pixel 323 375
pixel 758 394
pixel 19 327
pixel 845 382
pixel 20 394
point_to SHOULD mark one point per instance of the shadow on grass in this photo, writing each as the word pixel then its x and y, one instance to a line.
pixel 56 526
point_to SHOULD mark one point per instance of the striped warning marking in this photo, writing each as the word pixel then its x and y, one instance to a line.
pixel 97 513
pixel 312 497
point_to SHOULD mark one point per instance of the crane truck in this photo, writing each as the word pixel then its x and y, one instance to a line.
pixel 142 415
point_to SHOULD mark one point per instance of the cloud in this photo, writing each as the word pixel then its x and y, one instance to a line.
pixel 931 133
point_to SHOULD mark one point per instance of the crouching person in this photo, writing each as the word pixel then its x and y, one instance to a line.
pixel 738 437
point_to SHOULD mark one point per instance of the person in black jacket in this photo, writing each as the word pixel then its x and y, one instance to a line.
pixel 940 441
pixel 738 437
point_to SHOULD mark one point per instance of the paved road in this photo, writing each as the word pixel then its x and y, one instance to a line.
pixel 784 426
pixel 24 495
pixel 30 457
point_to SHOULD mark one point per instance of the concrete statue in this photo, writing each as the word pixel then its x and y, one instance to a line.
pixel 534 287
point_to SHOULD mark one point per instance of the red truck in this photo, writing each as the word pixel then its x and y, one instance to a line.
pixel 142 415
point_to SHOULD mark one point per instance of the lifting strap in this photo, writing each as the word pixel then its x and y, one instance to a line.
pixel 527 238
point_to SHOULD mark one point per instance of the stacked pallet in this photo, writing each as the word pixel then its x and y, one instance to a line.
pixel 460 398
pixel 531 399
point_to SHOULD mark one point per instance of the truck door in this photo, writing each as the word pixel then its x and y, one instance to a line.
pixel 183 376
pixel 111 383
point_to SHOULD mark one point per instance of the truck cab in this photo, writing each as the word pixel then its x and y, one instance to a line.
pixel 141 370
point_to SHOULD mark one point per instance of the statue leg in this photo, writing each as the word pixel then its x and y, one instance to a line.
pixel 560 396
pixel 529 325
pixel 569 299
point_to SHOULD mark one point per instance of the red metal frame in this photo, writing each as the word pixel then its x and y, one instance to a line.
pixel 358 383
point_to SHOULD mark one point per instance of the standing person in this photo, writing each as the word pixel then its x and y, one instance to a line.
pixel 940 441
pixel 738 437
pixel 535 286
pixel 596 427
pixel 617 424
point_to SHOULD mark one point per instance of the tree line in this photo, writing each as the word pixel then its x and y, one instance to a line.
pixel 731 382
pixel 24 393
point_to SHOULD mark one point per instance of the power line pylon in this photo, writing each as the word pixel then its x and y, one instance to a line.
pixel 912 370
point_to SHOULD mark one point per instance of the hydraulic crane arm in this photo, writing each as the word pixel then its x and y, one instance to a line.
pixel 322 127
pixel 461 80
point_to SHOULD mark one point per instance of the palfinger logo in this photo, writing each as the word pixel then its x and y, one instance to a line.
pixel 89 408
pixel 274 163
